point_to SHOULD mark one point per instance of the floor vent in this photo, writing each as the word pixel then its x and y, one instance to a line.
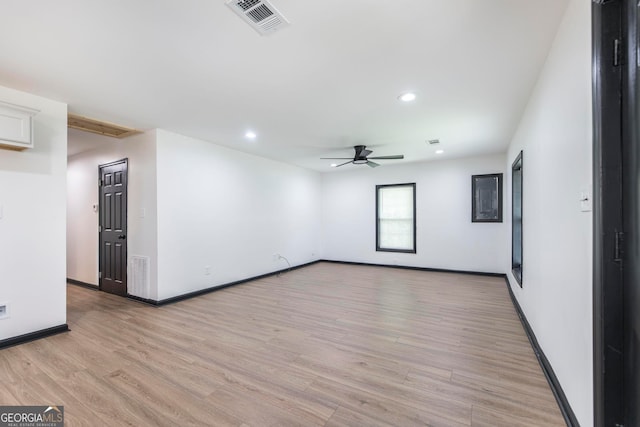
pixel 260 14
pixel 97 126
pixel 139 280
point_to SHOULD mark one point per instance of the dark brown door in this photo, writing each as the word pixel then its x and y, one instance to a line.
pixel 113 227
pixel 616 66
pixel 630 239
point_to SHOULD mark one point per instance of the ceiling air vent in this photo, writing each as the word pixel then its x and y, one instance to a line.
pixel 97 126
pixel 260 14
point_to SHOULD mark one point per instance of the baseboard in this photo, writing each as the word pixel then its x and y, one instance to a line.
pixel 32 336
pixel 83 284
pixel 406 267
pixel 143 300
pixel 556 388
pixel 215 288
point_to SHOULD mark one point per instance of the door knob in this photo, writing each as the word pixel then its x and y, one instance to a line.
pixel 122 236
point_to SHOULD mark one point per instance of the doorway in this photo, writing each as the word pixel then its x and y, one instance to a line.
pixel 112 253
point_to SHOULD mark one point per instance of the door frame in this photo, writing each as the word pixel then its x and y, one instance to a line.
pixel 610 39
pixel 124 161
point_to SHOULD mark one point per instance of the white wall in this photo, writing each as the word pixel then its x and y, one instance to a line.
pixel 446 237
pixel 82 188
pixel 32 240
pixel 229 211
pixel 555 135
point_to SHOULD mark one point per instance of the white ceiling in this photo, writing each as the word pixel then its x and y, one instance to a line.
pixel 325 83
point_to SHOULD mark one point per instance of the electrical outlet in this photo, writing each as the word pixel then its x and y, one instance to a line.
pixel 207 270
pixel 276 257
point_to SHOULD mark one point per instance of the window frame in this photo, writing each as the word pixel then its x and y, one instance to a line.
pixel 474 210
pixel 516 269
pixel 377 209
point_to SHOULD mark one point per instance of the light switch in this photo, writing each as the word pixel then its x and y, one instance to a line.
pixel 4 310
pixel 586 203
pixel 1 211
pixel 143 212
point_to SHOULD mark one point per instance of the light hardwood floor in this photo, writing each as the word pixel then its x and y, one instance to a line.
pixel 325 345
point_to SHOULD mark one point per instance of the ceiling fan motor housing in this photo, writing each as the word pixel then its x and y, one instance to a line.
pixel 361 154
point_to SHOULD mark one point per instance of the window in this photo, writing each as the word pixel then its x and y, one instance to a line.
pixel 486 198
pixel 396 218
pixel 516 219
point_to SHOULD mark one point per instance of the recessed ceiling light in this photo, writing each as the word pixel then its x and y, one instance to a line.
pixel 407 97
pixel 250 135
pixel 333 165
pixel 439 151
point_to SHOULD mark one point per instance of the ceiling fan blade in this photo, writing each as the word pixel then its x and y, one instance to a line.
pixel 345 163
pixel 365 153
pixel 336 158
pixel 372 164
pixel 399 156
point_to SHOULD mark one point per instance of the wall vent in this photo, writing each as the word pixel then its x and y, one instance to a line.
pixel 98 126
pixel 261 15
pixel 139 283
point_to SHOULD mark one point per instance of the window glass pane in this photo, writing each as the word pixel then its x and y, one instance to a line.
pixel 486 198
pixel 396 202
pixel 396 234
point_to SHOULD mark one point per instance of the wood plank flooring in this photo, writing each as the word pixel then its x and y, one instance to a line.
pixel 325 345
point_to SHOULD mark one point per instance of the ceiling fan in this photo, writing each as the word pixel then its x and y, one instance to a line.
pixel 361 157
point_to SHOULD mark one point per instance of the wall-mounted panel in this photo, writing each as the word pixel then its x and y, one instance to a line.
pixel 16 126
